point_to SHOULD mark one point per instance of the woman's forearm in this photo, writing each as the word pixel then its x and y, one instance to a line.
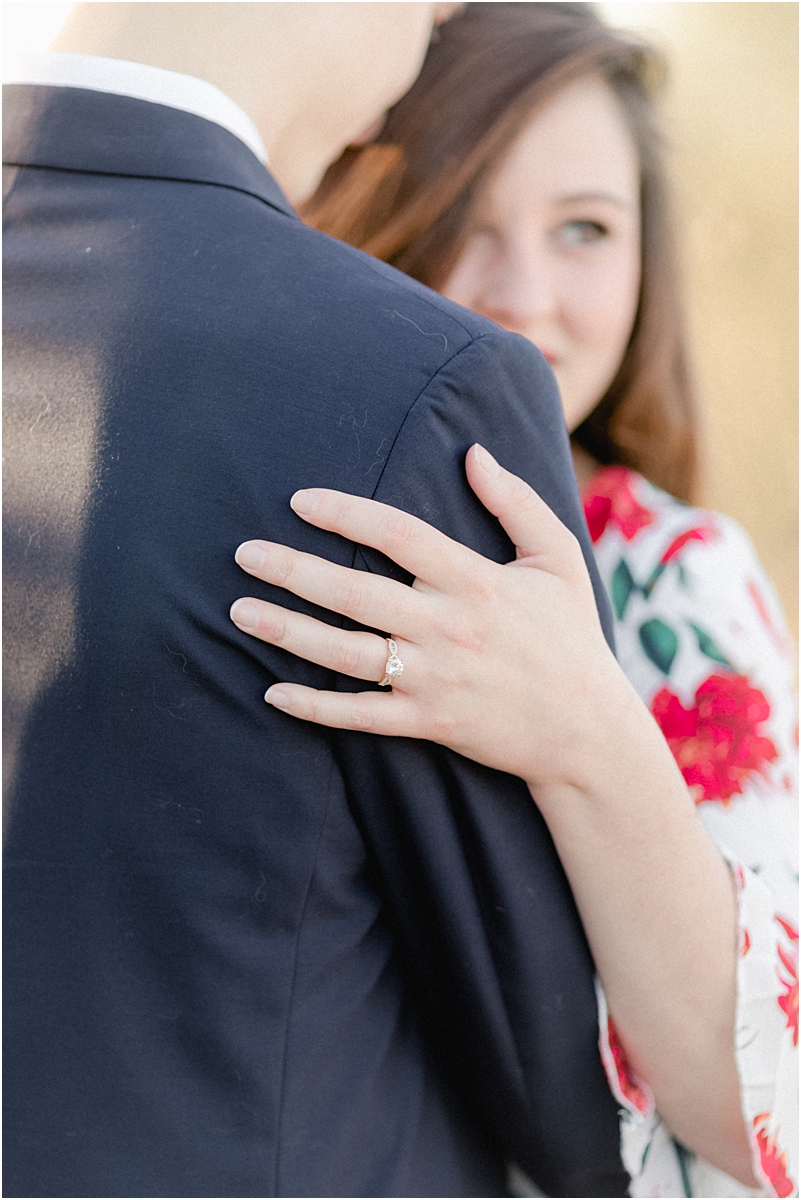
pixel 658 905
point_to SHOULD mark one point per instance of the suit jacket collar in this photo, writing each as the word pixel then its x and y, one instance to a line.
pixel 73 129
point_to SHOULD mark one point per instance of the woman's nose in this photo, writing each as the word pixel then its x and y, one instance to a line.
pixel 522 292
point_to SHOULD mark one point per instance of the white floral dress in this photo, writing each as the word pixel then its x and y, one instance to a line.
pixel 701 636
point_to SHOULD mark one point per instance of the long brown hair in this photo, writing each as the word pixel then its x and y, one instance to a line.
pixel 407 198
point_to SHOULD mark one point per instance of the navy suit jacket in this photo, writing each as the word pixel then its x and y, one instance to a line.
pixel 247 956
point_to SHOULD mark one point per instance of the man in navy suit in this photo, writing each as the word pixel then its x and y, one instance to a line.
pixel 247 956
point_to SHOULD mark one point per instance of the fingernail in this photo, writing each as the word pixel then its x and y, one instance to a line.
pixel 276 697
pixel 305 502
pixel 250 556
pixel 245 614
pixel 486 461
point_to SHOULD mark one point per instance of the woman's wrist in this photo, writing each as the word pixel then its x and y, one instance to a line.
pixel 607 735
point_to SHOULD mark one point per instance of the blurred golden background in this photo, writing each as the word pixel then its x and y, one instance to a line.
pixel 732 109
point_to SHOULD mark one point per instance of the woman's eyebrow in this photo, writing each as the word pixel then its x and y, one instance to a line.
pixel 605 197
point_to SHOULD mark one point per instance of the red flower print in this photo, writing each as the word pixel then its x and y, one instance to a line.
pixel 716 743
pixel 772 1161
pixel 626 1079
pixel 745 942
pixel 610 499
pixel 702 533
pixel 788 927
pixel 788 1003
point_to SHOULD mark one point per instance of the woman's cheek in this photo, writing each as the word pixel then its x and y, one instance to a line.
pixel 609 310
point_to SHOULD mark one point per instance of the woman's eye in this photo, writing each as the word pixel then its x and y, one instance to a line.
pixel 579 233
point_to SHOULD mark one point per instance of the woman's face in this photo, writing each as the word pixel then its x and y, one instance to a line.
pixel 554 248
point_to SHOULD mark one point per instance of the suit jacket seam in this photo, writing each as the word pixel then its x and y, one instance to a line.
pixel 291 1001
pixel 420 395
pixel 357 553
pixel 14 185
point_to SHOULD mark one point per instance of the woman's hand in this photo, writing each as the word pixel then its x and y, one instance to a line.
pixel 505 664
pixel 508 665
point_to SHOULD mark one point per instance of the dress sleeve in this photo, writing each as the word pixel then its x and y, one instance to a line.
pixel 703 638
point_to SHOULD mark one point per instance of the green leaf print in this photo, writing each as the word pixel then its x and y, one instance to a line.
pixel 708 647
pixel 622 586
pixel 660 644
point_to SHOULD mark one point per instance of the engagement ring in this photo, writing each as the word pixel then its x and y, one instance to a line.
pixel 394 665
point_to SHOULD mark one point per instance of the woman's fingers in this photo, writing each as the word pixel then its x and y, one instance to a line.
pixel 419 548
pixel 361 655
pixel 369 599
pixel 368 712
pixel 535 530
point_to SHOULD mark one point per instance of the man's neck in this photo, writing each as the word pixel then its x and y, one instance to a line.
pixel 310 76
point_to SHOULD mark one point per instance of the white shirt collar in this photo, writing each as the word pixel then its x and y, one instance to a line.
pixel 154 84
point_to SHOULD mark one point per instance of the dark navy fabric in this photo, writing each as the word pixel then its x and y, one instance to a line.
pixel 246 956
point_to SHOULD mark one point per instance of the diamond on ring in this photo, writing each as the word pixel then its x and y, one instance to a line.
pixel 394 665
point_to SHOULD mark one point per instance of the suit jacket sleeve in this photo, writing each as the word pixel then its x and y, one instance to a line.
pixel 472 883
